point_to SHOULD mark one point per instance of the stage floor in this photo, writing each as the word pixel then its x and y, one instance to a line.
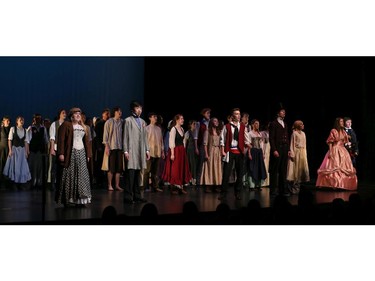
pixel 26 206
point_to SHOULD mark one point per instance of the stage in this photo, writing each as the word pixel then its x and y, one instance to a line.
pixel 25 206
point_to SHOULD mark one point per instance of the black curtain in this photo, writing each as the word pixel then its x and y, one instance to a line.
pixel 313 89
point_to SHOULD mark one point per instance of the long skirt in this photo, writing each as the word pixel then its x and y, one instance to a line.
pixel 177 172
pixel 212 168
pixel 267 149
pixel 75 181
pixel 256 168
pixel 337 171
pixel 16 167
pixel 3 157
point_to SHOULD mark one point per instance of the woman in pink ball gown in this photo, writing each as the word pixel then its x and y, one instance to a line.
pixel 336 170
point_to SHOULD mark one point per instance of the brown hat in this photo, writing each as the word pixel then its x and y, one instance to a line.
pixel 73 110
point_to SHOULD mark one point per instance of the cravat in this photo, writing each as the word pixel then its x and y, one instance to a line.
pixel 138 121
pixel 235 135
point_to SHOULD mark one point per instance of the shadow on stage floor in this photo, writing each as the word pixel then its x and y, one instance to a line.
pixel 26 206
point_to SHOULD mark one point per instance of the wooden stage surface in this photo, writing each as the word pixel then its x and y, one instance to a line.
pixel 18 206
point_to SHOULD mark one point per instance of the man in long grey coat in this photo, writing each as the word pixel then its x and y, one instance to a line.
pixel 136 152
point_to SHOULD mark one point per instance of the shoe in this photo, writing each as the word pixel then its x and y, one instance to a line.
pixel 286 194
pixel 119 188
pixel 157 190
pixel 68 205
pixel 80 205
pixel 128 201
pixel 272 192
pixel 140 200
pixel 182 191
pixel 238 197
pixel 110 189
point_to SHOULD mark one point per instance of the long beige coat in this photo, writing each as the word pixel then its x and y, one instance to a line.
pixel 135 143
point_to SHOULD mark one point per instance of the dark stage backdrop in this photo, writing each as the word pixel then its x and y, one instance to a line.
pixel 31 85
pixel 313 89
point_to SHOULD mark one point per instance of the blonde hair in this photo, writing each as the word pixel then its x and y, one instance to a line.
pixel 297 125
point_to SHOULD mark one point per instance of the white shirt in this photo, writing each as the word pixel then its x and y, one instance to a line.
pixel 281 121
pixel 20 133
pixel 52 133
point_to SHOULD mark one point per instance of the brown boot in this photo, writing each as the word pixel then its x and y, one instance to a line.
pixel 183 191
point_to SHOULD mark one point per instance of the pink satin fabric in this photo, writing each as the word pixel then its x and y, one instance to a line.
pixel 337 170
